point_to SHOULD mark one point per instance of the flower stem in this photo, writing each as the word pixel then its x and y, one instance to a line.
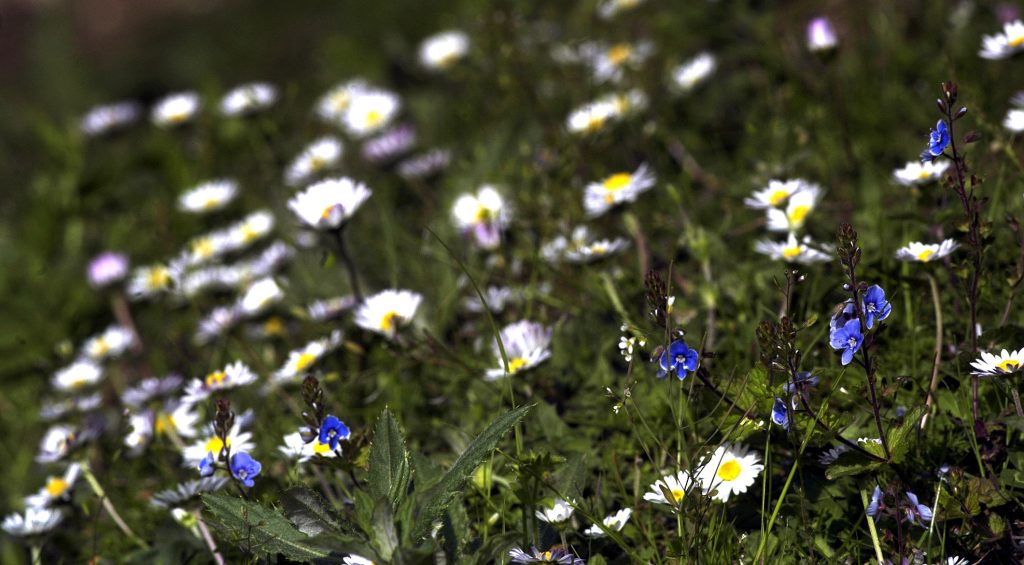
pixel 938 350
pixel 37 554
pixel 210 543
pixel 871 528
pixel 109 506
pixel 346 260
pixel 869 367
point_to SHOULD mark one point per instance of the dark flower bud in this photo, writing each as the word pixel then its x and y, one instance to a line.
pixel 941 105
pixel 960 113
pixel 971 137
pixel 949 89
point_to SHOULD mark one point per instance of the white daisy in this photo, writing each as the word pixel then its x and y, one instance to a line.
pixel 442 50
pixel 482 215
pixel 232 376
pixel 924 252
pixel 216 323
pixel 237 440
pixel 609 62
pixel 175 109
pixel 33 522
pixel 387 310
pixel 140 432
pixel 248 98
pixel 579 248
pixel 527 344
pixel 692 73
pixel 114 341
pixel 821 36
pixel 1005 363
pixel 55 489
pixel 301 360
pixel 778 193
pixel 559 511
pixel 793 250
pixel 205 248
pixel 354 559
pixel 732 469
pixel 1014 121
pixel 614 522
pixel 608 9
pixel 295 448
pixel 317 157
pixel 208 196
pixel 77 375
pixel 497 297
pixel 253 227
pixel 793 217
pixel 601 196
pixel 149 281
pixel 677 486
pixel 181 418
pixel 260 296
pixel 371 112
pixel 591 117
pixel 326 205
pixel 184 492
pixel 56 443
pixel 333 104
pixel 916 173
pixel 1002 45
pixel 103 119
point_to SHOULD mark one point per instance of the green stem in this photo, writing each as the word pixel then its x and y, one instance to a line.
pixel 109 506
pixel 871 528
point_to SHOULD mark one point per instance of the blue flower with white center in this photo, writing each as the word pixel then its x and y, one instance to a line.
pixel 244 468
pixel 938 140
pixel 333 430
pixel 206 466
pixel 678 358
pixel 848 339
pixel 780 414
pixel 876 500
pixel 875 305
pixel 918 513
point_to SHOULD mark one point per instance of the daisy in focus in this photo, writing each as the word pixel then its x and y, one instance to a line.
pixel 558 556
pixel 527 344
pixel 731 470
pixel 670 489
pixel 925 252
pixel 248 99
pixel 387 311
pixel 176 109
pixel 208 196
pixel 792 250
pixel 1006 362
pixel 210 446
pixel 601 196
pixel 559 511
pixel 233 375
pixel 370 112
pixel 328 204
pixel 482 215
pixel 916 173
pixel 322 154
pixel 1005 44
pixel 440 51
pixel 693 72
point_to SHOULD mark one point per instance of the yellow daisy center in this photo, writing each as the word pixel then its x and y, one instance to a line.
pixel 1017 41
pixel 617 182
pixel 321 448
pixel 798 214
pixel 619 53
pixel 216 378
pixel 327 212
pixel 203 248
pixel 791 252
pixel 388 321
pixel 515 364
pixel 778 197
pixel 677 495
pixel 547 555
pixel 164 423
pixel 158 277
pixel 340 101
pixel 924 175
pixel 56 486
pixel 316 163
pixel 210 203
pixel 599 248
pixel 925 255
pixel 305 360
pixel 595 123
pixel 100 347
pixel 177 116
pixel 274 326
pixel 729 470
pixel 215 445
pixel 374 118
pixel 249 233
pixel 1008 365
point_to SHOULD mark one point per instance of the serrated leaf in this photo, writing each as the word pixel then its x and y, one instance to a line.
pixel 390 471
pixel 455 479
pixel 261 530
pixel 836 471
pixel 309 512
pixel 900 438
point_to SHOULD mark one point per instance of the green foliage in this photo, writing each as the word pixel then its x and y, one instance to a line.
pixel 390 471
pixel 259 530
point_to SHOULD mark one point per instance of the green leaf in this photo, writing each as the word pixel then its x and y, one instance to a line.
pixel 836 471
pixel 260 530
pixel 453 481
pixel 309 512
pixel 900 438
pixel 390 471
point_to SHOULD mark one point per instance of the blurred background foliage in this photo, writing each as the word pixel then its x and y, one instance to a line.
pixel 771 110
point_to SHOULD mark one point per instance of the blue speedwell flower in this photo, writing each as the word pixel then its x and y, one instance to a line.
pixel 848 339
pixel 206 466
pixel 876 500
pixel 803 381
pixel 244 468
pixel 333 430
pixel 780 414
pixel 918 513
pixel 875 305
pixel 678 358
pixel 938 140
